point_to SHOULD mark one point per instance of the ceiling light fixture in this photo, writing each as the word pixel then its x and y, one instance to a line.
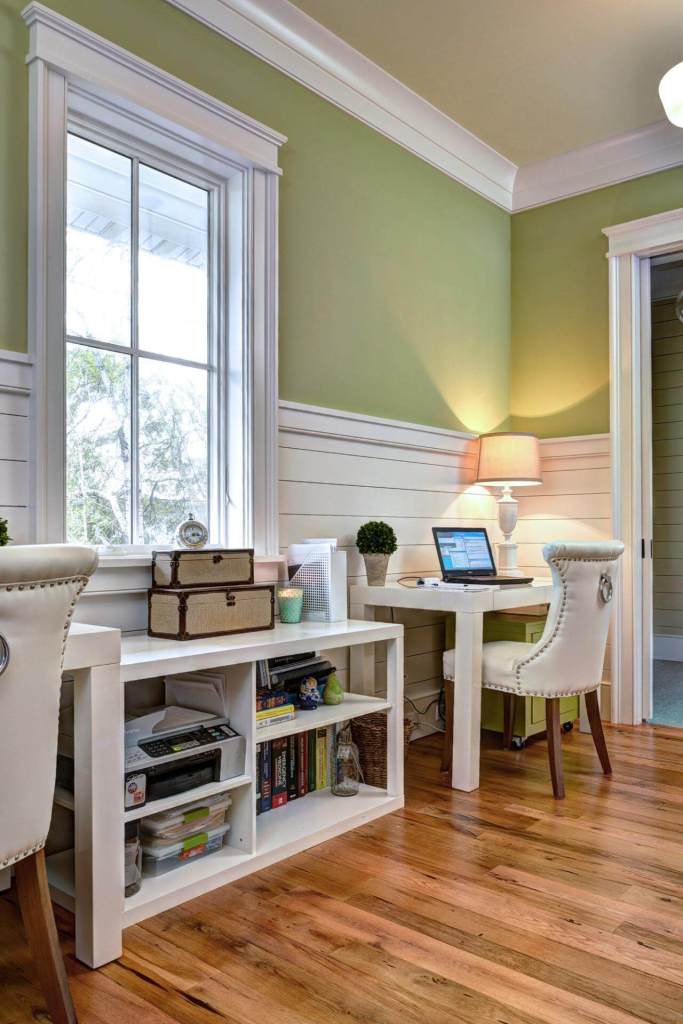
pixel 671 94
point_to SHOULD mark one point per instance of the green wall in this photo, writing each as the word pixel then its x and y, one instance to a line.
pixel 560 304
pixel 394 279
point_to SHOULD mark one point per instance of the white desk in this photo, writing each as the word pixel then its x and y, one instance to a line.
pixel 90 880
pixel 469 607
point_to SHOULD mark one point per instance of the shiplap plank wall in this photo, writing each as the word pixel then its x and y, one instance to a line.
pixel 667 467
pixel 336 471
pixel 15 394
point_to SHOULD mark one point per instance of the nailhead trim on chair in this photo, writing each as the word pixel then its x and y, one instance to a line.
pixel 32 586
pixel 20 856
pixel 561 566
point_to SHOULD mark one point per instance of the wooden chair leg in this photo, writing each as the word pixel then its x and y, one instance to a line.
pixel 41 931
pixel 554 731
pixel 447 751
pixel 593 712
pixel 508 719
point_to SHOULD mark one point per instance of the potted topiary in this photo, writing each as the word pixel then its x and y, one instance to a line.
pixel 4 533
pixel 376 541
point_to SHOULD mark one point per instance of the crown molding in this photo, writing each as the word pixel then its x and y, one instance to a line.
pixel 654 148
pixel 282 35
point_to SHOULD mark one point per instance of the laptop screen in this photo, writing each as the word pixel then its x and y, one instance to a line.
pixel 464 550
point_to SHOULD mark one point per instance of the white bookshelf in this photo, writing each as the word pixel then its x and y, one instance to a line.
pixel 90 882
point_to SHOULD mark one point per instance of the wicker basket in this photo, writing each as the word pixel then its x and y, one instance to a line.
pixel 370 736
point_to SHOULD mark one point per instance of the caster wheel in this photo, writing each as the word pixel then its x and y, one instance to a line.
pixel 567 727
pixel 517 743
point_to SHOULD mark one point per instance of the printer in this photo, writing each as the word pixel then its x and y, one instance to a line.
pixel 168 750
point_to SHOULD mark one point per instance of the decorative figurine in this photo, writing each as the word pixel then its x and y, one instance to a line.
pixel 309 695
pixel 333 693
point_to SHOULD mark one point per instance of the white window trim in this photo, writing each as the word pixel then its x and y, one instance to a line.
pixel 69 69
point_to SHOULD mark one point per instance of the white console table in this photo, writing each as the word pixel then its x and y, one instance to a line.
pixel 89 879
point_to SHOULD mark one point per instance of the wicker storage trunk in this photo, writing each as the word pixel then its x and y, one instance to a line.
pixel 209 611
pixel 208 567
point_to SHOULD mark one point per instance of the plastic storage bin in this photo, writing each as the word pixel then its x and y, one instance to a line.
pixel 169 827
pixel 160 857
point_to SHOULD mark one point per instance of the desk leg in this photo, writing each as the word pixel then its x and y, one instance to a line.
pixel 467 700
pixel 98 809
pixel 362 656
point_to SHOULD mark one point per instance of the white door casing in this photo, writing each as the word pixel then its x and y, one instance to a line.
pixel 631 246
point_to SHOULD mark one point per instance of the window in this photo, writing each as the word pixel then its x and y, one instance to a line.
pixel 140 361
pixel 152 306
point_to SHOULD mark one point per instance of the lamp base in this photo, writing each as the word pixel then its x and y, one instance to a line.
pixel 507 559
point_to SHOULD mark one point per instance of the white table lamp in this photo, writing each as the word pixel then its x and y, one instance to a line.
pixel 508 460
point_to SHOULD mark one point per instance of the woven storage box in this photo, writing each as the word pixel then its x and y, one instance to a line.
pixel 209 567
pixel 217 611
pixel 370 736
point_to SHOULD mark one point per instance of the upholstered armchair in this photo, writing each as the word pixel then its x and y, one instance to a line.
pixel 39 588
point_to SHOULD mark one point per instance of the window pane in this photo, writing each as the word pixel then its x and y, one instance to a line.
pixel 97 446
pixel 173 420
pixel 173 274
pixel 98 217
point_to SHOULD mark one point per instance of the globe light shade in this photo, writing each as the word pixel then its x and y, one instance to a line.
pixel 671 94
pixel 509 459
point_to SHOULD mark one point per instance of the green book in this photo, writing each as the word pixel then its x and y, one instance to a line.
pixel 312 759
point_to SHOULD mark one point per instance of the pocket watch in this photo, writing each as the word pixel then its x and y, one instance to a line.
pixel 192 533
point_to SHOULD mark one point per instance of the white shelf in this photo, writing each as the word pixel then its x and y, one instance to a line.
pixel 190 796
pixel 60 873
pixel 64 798
pixel 296 826
pixel 353 706
pixel 320 815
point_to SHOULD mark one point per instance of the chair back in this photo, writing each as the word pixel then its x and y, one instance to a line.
pixel 39 587
pixel 568 659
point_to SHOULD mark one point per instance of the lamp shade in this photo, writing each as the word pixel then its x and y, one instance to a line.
pixel 509 459
pixel 671 94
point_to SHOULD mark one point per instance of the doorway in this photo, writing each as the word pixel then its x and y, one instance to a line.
pixel 665 702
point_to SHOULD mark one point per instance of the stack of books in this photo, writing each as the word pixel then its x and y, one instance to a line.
pixel 292 767
pixel 269 716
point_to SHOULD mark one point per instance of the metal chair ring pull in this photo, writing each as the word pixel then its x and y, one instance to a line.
pixel 606 588
pixel 4 654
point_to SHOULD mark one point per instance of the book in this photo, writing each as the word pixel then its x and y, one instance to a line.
pixel 267 699
pixel 301 764
pixel 310 738
pixel 266 777
pixel 289 717
pixel 279 771
pixel 292 768
pixel 273 714
pixel 321 746
pixel 259 775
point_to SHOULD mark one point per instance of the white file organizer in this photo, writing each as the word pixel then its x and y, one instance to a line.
pixel 322 577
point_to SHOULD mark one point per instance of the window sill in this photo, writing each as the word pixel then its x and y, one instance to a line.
pixel 143 559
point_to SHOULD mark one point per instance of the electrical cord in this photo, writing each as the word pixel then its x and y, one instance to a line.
pixel 402 578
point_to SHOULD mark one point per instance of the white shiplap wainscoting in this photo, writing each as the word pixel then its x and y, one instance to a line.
pixel 15 398
pixel 572 504
pixel 339 469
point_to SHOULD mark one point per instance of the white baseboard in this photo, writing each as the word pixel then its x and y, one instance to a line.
pixel 668 648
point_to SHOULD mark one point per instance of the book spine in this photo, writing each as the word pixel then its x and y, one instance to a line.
pixel 279 772
pixel 292 768
pixel 301 764
pixel 259 776
pixel 310 738
pixel 321 758
pixel 266 777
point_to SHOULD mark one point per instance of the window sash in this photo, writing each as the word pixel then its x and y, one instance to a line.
pixel 216 364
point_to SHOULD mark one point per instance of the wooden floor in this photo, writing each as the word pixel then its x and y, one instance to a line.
pixel 497 907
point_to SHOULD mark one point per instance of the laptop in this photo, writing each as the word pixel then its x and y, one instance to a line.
pixel 465 556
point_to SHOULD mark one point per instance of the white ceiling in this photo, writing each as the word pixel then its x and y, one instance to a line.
pixel 531 78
